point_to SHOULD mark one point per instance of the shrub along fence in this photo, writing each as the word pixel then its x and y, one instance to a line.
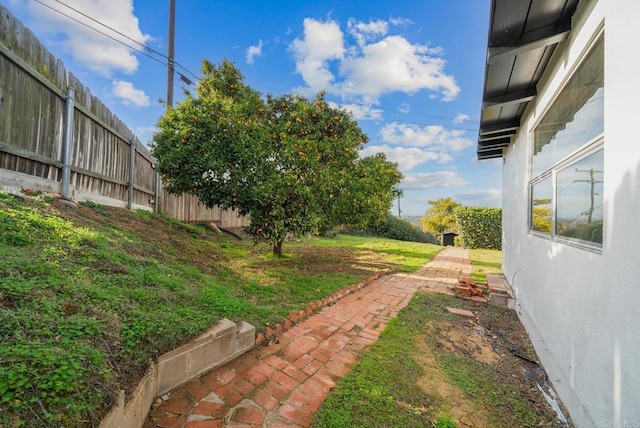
pixel 55 136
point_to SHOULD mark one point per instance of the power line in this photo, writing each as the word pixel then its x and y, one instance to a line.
pixel 148 48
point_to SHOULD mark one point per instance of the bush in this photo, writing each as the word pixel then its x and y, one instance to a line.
pixel 480 227
pixel 401 230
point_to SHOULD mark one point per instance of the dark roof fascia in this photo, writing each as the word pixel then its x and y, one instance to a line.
pixel 502 50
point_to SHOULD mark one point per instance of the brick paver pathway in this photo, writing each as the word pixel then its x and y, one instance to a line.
pixel 282 384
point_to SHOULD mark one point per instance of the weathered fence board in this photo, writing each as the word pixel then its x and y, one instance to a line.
pixel 33 98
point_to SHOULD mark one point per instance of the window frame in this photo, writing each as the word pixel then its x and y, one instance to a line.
pixel 587 149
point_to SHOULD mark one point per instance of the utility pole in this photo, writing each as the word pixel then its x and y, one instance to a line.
pixel 399 196
pixel 593 183
pixel 171 52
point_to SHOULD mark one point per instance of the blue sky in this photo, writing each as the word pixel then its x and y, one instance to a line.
pixel 411 72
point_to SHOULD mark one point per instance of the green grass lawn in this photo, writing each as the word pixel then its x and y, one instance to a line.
pixel 90 295
pixel 484 262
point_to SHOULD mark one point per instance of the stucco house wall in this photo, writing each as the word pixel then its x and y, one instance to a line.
pixel 582 307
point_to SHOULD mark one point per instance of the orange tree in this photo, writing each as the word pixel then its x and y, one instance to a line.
pixel 440 217
pixel 290 164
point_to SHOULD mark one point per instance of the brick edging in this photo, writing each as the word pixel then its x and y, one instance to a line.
pixel 264 338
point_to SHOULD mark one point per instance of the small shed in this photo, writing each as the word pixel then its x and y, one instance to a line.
pixel 449 237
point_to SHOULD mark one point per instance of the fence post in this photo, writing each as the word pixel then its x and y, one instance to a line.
pixel 67 140
pixel 132 162
pixel 156 190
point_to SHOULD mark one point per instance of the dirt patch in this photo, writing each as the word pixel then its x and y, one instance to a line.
pixel 436 384
pixel 470 340
pixel 499 363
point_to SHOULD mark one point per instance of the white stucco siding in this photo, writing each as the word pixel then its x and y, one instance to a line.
pixel 581 307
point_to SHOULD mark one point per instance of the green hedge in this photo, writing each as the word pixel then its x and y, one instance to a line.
pixel 480 227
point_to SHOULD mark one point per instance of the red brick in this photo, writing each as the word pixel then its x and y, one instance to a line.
pixel 178 405
pixel 463 291
pixel 197 390
pixel 314 389
pixel 285 381
pixel 303 361
pixel 323 357
pixel 467 281
pixel 212 381
pixel 287 324
pixel 461 312
pixel 240 364
pixel 293 317
pixel 256 378
pixel 296 414
pixel 264 369
pixel 324 379
pixel 227 375
pixel 172 421
pixel 296 374
pixel 279 328
pixel 204 424
pixel 269 332
pixel 260 339
pixel 312 367
pixel 214 410
pixel 337 368
pixel 276 362
pixel 242 386
pixel 248 415
pixel 265 399
pixel 305 402
pixel 228 395
pixel 275 389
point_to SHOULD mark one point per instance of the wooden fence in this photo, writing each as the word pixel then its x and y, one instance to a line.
pixel 55 136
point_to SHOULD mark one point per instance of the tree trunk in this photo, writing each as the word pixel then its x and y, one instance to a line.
pixel 277 248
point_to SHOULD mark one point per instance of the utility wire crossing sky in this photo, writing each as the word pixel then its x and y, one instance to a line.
pixel 411 73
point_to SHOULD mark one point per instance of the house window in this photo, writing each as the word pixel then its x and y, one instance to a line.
pixel 541 208
pixel 568 158
pixel 579 195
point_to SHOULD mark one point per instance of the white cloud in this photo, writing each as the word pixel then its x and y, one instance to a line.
pixel 375 65
pixel 395 65
pixel 129 95
pixel 254 51
pixel 404 22
pixel 88 47
pixel 360 111
pixel 435 137
pixel 363 32
pixel 487 197
pixel 407 158
pixel 460 117
pixel 432 180
pixel 322 42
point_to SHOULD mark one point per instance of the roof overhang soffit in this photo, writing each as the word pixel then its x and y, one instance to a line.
pixel 539 38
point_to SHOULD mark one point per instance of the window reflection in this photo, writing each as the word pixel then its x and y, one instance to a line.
pixel 541 208
pixel 575 117
pixel 580 201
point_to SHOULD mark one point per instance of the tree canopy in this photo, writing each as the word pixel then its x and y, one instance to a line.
pixel 290 164
pixel 440 217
